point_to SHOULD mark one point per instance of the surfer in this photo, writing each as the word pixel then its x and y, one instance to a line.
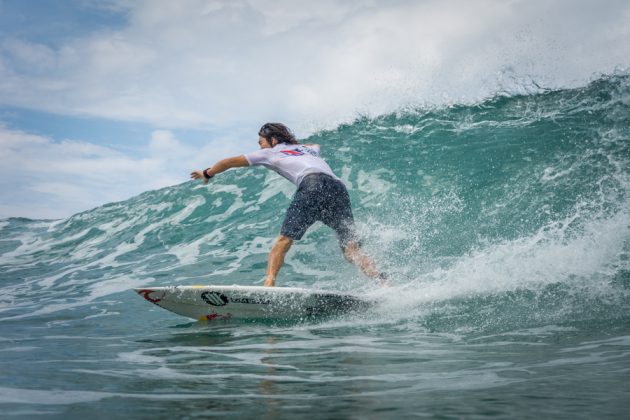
pixel 320 196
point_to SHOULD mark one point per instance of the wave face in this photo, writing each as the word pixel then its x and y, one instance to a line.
pixel 508 215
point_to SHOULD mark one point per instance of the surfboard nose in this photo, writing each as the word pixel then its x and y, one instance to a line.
pixel 151 295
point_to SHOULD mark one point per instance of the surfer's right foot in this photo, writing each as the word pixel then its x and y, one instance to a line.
pixel 383 280
pixel 269 282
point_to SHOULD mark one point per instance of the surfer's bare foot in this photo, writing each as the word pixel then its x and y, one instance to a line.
pixel 383 280
pixel 269 282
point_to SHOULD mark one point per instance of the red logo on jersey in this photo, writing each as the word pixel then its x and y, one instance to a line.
pixel 292 152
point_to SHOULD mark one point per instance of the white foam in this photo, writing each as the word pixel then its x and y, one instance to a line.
pixel 372 186
pixel 187 253
pixel 273 185
pixel 238 203
pixel 547 257
pixel 550 173
pixel 49 397
pixel 258 245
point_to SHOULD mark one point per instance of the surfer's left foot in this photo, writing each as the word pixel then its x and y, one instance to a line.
pixel 270 282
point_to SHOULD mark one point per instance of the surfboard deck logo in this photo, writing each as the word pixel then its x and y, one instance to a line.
pixel 214 298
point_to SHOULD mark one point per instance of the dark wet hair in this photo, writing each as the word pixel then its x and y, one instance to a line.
pixel 279 131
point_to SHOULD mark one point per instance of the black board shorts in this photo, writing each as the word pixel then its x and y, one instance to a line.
pixel 323 198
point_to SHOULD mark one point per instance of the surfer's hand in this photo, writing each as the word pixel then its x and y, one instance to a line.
pixel 199 175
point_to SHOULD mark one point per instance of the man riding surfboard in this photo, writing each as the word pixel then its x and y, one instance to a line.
pixel 320 195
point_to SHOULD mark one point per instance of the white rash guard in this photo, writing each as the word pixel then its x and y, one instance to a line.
pixel 292 161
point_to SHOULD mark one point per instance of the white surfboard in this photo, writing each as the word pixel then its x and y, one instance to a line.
pixel 251 302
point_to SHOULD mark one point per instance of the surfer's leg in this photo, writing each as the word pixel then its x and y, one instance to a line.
pixel 351 247
pixel 276 259
pixel 300 215
pixel 352 252
pixel 338 215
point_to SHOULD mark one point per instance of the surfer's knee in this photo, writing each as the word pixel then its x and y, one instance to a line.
pixel 283 243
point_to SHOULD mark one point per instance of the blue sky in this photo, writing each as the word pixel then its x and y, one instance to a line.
pixel 52 22
pixel 102 100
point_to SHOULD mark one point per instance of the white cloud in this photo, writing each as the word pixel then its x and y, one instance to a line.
pixel 41 178
pixel 216 63
pixel 239 63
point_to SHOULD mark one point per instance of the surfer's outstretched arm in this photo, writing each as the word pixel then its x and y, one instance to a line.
pixel 221 166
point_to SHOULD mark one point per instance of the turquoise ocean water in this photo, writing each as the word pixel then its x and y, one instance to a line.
pixel 506 225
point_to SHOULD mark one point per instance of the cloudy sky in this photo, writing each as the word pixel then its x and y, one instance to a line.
pixel 103 99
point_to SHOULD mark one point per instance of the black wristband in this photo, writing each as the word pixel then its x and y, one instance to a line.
pixel 205 174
